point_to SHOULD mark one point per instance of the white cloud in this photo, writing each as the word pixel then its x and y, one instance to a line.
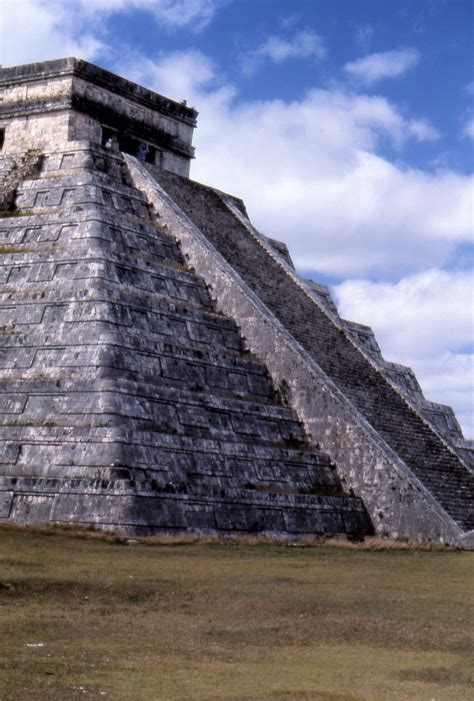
pixel 469 128
pixel 405 312
pixel 172 13
pixel 195 14
pixel 179 75
pixel 304 44
pixel 423 130
pixel 448 378
pixel 387 64
pixel 425 321
pixel 310 172
pixel 45 29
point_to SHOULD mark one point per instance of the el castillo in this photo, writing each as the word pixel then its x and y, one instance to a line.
pixel 164 369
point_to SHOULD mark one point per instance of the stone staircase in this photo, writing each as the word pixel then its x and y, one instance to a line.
pixel 348 369
pixel 126 399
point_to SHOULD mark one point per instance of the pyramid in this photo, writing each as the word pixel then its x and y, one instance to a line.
pixel 163 368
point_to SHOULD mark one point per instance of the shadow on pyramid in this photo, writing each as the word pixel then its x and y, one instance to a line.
pixel 163 369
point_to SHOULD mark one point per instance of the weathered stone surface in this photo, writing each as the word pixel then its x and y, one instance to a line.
pixel 126 400
pixel 148 391
pixel 69 99
pixel 410 479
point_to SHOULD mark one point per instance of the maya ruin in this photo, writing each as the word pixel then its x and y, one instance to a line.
pixel 163 368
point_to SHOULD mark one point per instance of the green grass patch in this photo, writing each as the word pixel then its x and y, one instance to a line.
pixel 91 617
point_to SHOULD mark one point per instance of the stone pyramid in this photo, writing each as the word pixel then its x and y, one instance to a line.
pixel 163 369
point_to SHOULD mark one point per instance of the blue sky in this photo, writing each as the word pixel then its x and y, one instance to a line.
pixel 346 125
pixel 441 31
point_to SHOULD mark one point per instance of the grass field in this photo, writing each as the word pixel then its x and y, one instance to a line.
pixel 94 619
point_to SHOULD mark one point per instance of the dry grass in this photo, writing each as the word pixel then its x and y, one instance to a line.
pixel 368 543
pixel 82 616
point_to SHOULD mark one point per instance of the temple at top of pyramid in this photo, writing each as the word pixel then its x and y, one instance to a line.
pixel 72 100
pixel 163 368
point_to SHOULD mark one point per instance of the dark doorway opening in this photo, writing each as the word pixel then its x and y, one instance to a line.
pixel 151 155
pixel 109 137
pixel 128 144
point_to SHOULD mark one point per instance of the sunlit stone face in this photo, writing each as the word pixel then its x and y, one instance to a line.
pixel 71 100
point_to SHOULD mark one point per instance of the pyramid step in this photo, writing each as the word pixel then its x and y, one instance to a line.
pixel 141 450
pixel 35 462
pixel 170 319
pixel 64 193
pixel 142 284
pixel 33 361
pixel 175 461
pixel 156 360
pixel 86 227
pixel 125 395
pixel 364 387
pixel 221 381
pixel 19 247
pixel 148 512
pixel 165 410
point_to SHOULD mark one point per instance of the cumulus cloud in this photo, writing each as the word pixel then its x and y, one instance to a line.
pixel 405 312
pixel 387 64
pixel 425 321
pixel 54 28
pixel 277 49
pixel 44 30
pixel 311 172
pixel 179 75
